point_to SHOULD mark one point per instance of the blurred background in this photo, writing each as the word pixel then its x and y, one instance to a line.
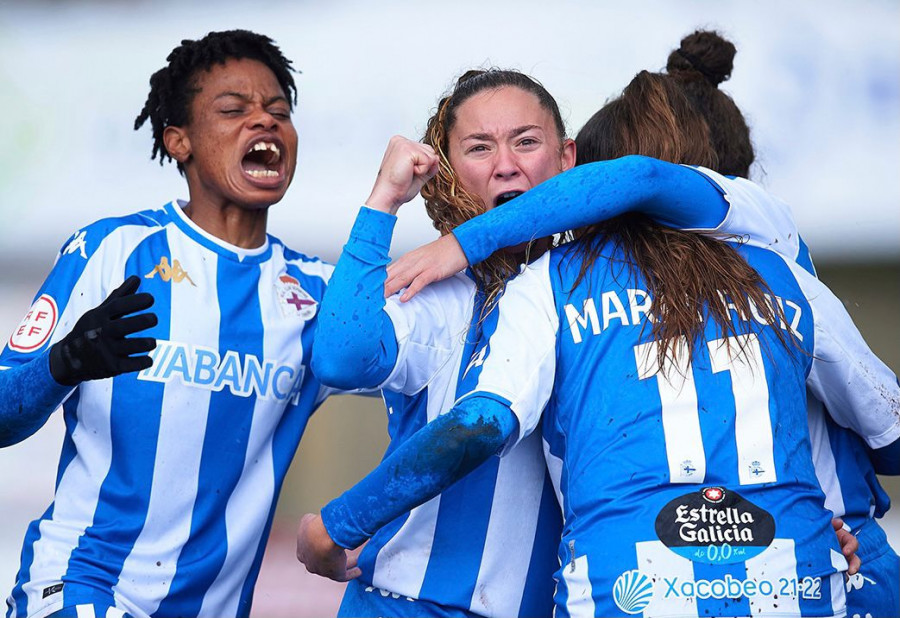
pixel 818 81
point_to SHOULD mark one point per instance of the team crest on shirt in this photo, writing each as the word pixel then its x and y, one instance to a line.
pixel 294 300
pixel 36 327
pixel 715 525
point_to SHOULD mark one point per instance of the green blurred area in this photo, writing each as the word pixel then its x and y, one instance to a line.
pixel 347 436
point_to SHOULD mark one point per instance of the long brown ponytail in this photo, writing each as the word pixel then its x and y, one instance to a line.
pixel 685 273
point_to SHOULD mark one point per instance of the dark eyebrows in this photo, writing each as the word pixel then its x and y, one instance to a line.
pixel 248 99
pixel 513 133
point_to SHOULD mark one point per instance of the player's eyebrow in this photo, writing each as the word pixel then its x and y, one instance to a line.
pixel 512 133
pixel 247 98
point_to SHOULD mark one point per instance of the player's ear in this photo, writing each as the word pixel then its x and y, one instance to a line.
pixel 177 143
pixel 567 155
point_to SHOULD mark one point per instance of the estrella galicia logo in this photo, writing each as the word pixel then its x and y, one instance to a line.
pixel 716 526
pixel 633 592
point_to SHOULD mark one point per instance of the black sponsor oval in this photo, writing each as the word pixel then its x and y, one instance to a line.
pixel 715 525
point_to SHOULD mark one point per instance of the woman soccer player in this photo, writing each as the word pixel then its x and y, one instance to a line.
pixel 347 522
pixel 169 473
pixel 843 464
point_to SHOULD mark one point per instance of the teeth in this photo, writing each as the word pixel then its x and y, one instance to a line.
pixel 266 146
pixel 263 173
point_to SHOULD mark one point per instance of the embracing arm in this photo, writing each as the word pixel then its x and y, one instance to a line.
pixel 435 457
pixel 673 195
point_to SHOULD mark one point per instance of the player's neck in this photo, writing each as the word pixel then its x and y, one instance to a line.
pixel 236 225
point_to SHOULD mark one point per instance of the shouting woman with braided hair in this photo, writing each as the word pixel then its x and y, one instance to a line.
pixel 170 470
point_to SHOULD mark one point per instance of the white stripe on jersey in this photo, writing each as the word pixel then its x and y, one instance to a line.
pixel 85 611
pixel 658 562
pixel 680 418
pixel 580 597
pixel 778 561
pixel 823 456
pixel 413 542
pixel 168 523
pixel 514 510
pixel 76 495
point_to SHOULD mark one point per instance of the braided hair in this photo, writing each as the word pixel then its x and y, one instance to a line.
pixel 173 87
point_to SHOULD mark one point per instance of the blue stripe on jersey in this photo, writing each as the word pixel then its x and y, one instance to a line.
pixel 125 492
pixel 461 528
pixel 859 487
pixel 727 606
pixel 804 258
pixel 459 537
pixel 543 558
pixel 288 433
pixel 225 442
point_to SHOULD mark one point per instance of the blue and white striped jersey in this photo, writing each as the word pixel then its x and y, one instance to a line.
pixel 487 544
pixel 842 464
pixel 168 478
pixel 689 493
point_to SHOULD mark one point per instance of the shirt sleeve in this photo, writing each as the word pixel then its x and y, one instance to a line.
pixel 76 283
pixel 671 194
pixel 858 389
pixel 515 362
pixel 365 341
pixel 355 345
pixel 755 217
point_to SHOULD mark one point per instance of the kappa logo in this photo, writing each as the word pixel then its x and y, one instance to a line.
pixel 857 581
pixel 167 272
pixel 477 360
pixel 77 244
pixel 295 301
pixel 36 327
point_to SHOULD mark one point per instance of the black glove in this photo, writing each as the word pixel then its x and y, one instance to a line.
pixel 98 347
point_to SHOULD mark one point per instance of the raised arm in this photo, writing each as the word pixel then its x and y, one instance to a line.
pixel 356 342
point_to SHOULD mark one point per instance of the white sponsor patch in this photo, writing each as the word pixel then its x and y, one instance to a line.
pixel 36 327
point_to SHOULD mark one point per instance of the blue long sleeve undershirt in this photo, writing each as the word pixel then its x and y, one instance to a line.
pixel 356 346
pixel 673 195
pixel 432 459
pixel 28 396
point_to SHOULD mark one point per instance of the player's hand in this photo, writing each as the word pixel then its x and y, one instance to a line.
pixel 98 346
pixel 405 168
pixel 849 545
pixel 321 555
pixel 435 261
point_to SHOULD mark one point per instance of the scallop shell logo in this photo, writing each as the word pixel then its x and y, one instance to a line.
pixel 633 592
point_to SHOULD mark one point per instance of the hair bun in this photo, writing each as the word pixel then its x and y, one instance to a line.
pixel 706 52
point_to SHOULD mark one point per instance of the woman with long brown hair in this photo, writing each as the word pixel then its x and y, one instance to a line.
pixel 674 364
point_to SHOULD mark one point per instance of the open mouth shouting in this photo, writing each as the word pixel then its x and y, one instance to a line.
pixel 264 162
pixel 505 197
